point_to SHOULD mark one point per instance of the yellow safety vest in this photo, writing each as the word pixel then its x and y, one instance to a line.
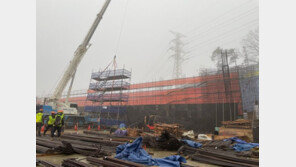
pixel 50 120
pixel 39 117
pixel 59 123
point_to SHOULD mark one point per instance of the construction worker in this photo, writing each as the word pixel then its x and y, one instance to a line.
pixel 58 123
pixel 39 121
pixel 63 117
pixel 50 122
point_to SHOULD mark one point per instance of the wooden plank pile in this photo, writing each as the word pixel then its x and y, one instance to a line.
pixel 239 128
pixel 239 123
pixel 171 128
pixel 134 132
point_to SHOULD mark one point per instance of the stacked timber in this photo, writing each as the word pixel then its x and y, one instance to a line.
pixel 239 128
pixel 171 128
pixel 239 123
pixel 134 132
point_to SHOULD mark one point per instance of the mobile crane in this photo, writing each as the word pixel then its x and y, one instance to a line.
pixel 54 100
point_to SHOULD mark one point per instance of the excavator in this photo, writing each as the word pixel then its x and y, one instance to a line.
pixel 54 102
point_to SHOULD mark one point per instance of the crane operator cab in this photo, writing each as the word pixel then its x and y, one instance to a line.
pixel 70 109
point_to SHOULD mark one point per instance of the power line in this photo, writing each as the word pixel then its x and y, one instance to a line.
pixel 223 24
pixel 229 41
pixel 199 53
pixel 229 11
pixel 217 39
pixel 205 9
pixel 155 65
pixel 225 33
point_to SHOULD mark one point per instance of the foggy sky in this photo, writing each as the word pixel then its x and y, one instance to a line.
pixel 143 45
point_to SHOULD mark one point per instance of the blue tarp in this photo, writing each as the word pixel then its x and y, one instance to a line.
pixel 235 139
pixel 135 153
pixel 242 145
pixel 192 143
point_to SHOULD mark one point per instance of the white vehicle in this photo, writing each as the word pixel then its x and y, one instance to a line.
pixel 54 100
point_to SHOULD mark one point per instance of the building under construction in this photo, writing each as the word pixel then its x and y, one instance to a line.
pixel 199 103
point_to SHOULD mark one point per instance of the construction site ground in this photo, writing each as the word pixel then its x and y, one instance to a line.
pixel 57 159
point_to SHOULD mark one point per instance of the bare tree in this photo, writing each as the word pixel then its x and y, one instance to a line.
pixel 251 46
pixel 232 55
pixel 216 57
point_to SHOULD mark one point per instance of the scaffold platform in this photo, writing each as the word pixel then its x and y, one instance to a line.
pixel 109 85
pixel 111 75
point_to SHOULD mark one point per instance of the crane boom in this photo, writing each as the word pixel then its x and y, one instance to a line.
pixel 78 55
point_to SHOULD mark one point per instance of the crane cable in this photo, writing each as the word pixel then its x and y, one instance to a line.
pixel 121 27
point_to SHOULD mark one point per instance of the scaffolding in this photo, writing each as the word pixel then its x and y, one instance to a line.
pixel 249 83
pixel 107 96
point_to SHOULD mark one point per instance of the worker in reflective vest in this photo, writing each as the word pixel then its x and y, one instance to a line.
pixel 63 117
pixel 58 123
pixel 50 122
pixel 39 121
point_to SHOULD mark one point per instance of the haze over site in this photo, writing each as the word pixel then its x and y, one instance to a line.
pixel 144 39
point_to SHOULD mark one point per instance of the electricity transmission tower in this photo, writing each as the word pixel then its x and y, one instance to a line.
pixel 178 55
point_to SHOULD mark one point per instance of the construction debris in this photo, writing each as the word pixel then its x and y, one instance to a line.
pixel 188 135
pixel 166 141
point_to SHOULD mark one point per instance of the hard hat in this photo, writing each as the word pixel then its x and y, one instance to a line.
pixel 41 109
pixel 60 111
pixel 53 112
